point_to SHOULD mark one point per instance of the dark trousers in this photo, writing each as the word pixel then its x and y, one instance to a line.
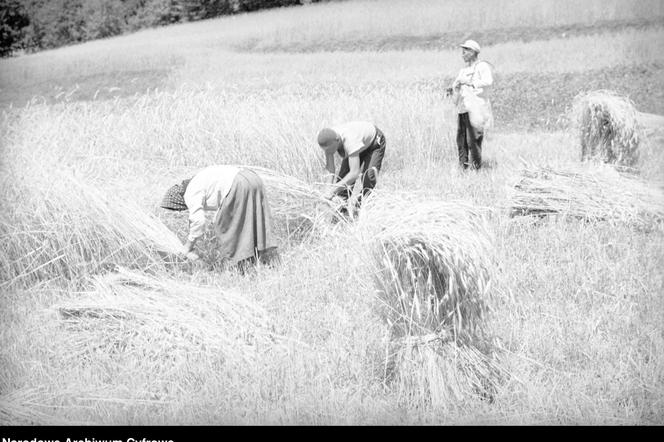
pixel 469 140
pixel 372 156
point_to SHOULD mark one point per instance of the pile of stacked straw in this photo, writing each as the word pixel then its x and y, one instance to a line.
pixel 154 319
pixel 590 192
pixel 298 208
pixel 21 407
pixel 432 264
pixel 608 126
pixel 56 225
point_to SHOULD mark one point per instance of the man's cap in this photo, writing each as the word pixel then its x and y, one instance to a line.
pixel 326 137
pixel 472 45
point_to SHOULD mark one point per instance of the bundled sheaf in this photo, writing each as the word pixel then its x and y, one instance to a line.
pixel 431 370
pixel 57 225
pixel 21 407
pixel 157 329
pixel 590 192
pixel 299 208
pixel 162 318
pixel 432 264
pixel 608 127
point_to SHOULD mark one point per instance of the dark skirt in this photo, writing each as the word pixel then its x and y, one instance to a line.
pixel 243 223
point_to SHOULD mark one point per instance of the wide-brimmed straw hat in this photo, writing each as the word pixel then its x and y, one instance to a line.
pixel 472 45
pixel 174 198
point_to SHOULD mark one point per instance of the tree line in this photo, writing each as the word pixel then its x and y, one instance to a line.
pixel 32 25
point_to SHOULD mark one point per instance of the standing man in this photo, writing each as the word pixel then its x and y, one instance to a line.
pixel 470 91
pixel 361 145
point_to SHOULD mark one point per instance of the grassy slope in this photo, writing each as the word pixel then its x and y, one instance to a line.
pixel 576 305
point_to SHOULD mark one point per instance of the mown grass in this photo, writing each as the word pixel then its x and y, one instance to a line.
pixel 575 307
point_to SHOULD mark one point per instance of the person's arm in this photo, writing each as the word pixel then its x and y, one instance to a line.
pixel 194 199
pixel 455 83
pixel 483 77
pixel 351 176
pixel 463 78
pixel 189 245
pixel 329 166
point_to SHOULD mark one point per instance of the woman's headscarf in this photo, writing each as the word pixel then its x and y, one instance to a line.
pixel 174 198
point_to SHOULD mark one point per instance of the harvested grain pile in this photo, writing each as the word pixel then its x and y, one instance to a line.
pixel 608 126
pixel 55 225
pixel 594 193
pixel 432 265
pixel 444 371
pixel 157 319
pixel 138 339
pixel 22 407
pixel 299 208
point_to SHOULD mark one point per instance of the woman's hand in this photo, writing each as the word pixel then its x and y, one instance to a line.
pixel 189 251
pixel 189 246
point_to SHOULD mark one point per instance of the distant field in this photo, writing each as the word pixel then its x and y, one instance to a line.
pixel 442 40
pixel 627 59
pixel 92 135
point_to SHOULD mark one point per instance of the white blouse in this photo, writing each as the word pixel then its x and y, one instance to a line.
pixel 206 192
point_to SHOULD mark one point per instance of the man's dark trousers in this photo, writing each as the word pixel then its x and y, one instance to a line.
pixel 372 157
pixel 469 141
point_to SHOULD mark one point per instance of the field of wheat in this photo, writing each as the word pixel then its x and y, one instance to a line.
pixel 525 293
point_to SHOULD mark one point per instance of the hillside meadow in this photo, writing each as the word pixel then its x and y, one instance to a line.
pixel 103 324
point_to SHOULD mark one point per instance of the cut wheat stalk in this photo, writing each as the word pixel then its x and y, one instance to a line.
pixel 442 373
pixel 131 311
pixel 609 127
pixel 432 263
pixel 289 195
pixel 590 192
pixel 63 227
pixel 22 407
pixel 302 206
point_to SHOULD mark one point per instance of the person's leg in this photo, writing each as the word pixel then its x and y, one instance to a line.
pixel 474 137
pixel 480 138
pixel 462 143
pixel 374 162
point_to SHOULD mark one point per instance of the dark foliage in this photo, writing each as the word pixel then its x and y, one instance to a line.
pixel 31 25
pixel 13 20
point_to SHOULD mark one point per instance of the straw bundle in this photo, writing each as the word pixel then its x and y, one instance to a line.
pixel 432 266
pixel 608 126
pixel 299 207
pixel 433 261
pixel 56 225
pixel 158 321
pixel 444 372
pixel 594 193
pixel 20 407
